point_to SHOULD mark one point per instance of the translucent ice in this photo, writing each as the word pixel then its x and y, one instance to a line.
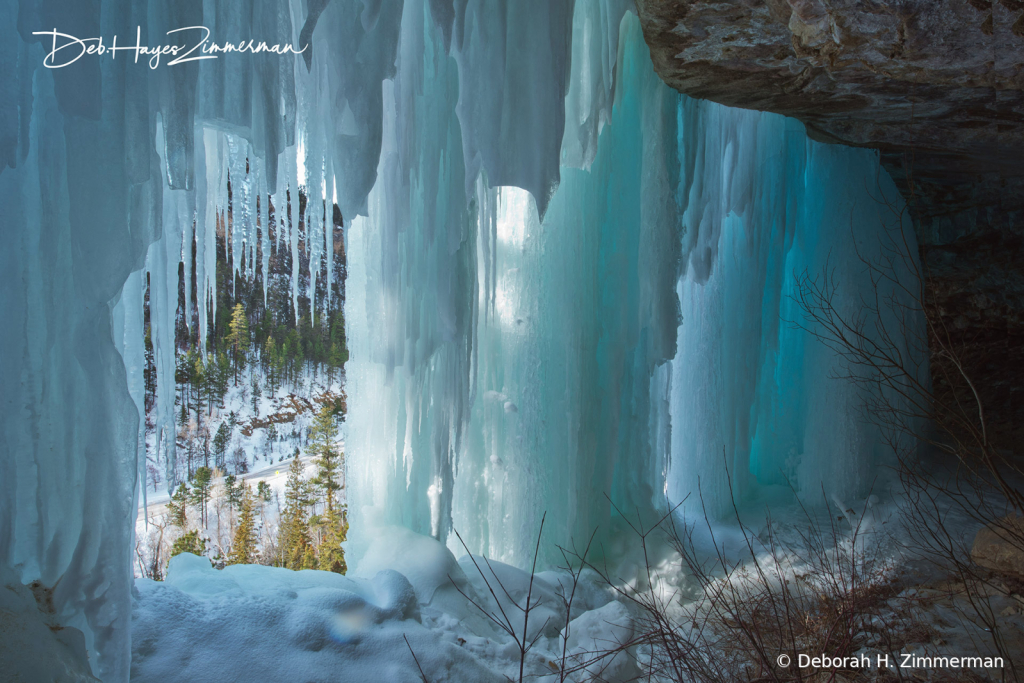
pixel 566 280
pixel 505 364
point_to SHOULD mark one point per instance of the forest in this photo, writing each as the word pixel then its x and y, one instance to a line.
pixel 266 379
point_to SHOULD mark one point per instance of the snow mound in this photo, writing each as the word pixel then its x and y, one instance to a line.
pixel 426 562
pixel 256 623
pixel 407 595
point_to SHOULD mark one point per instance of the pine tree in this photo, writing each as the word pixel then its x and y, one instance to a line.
pixel 189 542
pixel 177 506
pixel 270 360
pixel 272 436
pixel 200 385
pixel 243 546
pixel 309 560
pixel 329 461
pixel 221 441
pixel 221 376
pixel 202 482
pixel 233 491
pixel 331 556
pixel 322 436
pixel 294 539
pixel 238 336
pixel 263 491
pixel 257 394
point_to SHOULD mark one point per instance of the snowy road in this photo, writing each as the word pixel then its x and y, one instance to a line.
pixel 275 474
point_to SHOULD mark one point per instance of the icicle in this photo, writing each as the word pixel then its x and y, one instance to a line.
pixel 162 265
pixel 264 221
pixel 213 196
pixel 128 319
pixel 295 185
pixel 187 236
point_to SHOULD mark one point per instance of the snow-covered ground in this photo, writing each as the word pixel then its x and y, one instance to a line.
pixel 408 605
pixel 409 611
pixel 260 458
pixel 294 403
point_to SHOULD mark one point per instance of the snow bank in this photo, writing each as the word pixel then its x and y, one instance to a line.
pixel 257 623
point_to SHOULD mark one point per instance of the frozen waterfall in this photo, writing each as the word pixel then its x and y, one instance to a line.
pixel 608 354
pixel 568 284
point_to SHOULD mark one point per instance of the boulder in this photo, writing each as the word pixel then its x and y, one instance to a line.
pixel 1000 546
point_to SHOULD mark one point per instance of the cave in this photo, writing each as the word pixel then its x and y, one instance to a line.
pixel 467 340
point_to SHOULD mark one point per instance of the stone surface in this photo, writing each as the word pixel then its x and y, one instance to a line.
pixel 1000 546
pixel 937 86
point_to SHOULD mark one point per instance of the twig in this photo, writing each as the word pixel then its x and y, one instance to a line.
pixel 423 676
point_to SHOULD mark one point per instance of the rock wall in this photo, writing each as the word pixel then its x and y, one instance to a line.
pixel 936 87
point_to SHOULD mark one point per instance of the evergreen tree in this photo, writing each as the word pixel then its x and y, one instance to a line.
pixel 184 368
pixel 200 386
pixel 270 361
pixel 221 441
pixel 263 491
pixel 243 546
pixel 177 506
pixel 233 491
pixel 189 542
pixel 331 556
pixel 202 482
pixel 257 394
pixel 272 436
pixel 221 373
pixel 322 437
pixel 309 560
pixel 294 539
pixel 238 336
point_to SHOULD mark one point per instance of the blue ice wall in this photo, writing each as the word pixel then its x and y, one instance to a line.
pixel 629 345
pixel 69 427
pixel 750 392
pixel 501 363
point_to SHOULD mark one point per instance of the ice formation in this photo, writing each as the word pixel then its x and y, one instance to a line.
pixel 529 211
pixel 749 391
pixel 505 364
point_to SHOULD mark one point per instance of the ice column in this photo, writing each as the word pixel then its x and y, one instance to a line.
pixel 96 201
pixel 69 431
pixel 501 362
pixel 751 393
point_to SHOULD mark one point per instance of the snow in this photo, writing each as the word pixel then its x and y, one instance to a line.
pixel 270 624
pixel 249 622
pixel 294 403
pixel 266 460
